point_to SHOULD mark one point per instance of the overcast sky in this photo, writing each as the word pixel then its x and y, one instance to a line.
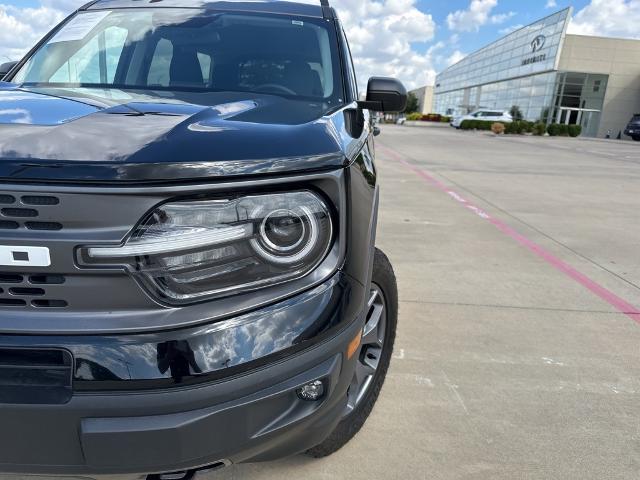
pixel 409 39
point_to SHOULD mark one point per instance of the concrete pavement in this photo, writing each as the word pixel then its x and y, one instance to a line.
pixel 506 365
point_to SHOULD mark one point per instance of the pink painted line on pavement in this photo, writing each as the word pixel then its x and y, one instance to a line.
pixel 608 296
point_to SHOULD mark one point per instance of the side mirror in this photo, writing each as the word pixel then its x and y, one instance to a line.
pixel 6 68
pixel 386 95
pixel 376 131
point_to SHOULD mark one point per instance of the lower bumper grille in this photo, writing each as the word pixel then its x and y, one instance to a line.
pixel 35 376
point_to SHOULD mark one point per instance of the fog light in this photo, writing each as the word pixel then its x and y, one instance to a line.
pixel 311 392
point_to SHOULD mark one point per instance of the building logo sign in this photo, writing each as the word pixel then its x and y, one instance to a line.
pixel 534 59
pixel 538 43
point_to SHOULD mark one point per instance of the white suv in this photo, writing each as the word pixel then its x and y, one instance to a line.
pixel 487 115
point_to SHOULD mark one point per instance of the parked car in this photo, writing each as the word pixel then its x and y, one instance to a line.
pixel 487 115
pixel 188 271
pixel 633 129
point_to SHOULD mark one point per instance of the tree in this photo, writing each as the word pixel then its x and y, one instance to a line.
pixel 412 104
pixel 545 117
pixel 516 113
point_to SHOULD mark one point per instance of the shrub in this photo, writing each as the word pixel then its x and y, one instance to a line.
pixel 431 117
pixel 467 125
pixel 498 128
pixel 511 128
pixel 560 130
pixel 539 129
pixel 476 125
pixel 412 117
pixel 520 127
pixel 575 130
pixel 445 119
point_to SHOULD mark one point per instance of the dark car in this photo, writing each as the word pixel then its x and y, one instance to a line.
pixel 188 272
pixel 633 129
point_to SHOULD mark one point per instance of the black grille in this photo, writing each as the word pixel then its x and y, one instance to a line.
pixel 18 290
pixel 6 225
pixel 19 212
pixel 40 200
pixel 51 226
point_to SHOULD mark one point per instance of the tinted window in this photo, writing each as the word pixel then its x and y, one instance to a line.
pixel 190 49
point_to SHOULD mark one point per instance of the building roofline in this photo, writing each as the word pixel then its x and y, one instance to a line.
pixel 570 9
pixel 602 37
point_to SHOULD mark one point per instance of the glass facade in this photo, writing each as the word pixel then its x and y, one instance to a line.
pixel 518 69
pixel 532 94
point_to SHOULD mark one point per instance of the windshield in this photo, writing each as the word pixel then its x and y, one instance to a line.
pixel 175 49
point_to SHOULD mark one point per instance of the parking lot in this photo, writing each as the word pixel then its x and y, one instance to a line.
pixel 518 354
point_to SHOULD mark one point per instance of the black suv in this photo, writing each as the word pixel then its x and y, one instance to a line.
pixel 633 129
pixel 188 276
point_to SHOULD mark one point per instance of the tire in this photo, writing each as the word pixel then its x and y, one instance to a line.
pixel 384 280
pixel 636 138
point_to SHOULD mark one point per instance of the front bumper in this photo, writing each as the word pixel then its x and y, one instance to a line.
pixel 199 410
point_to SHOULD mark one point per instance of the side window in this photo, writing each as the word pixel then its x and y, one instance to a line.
pixel 96 62
pixel 205 64
pixel 160 68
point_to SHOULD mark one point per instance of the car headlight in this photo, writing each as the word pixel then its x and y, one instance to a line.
pixel 191 251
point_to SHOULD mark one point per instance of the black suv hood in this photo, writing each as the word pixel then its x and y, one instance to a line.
pixel 89 136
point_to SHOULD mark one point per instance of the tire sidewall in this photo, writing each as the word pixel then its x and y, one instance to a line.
pixel 384 277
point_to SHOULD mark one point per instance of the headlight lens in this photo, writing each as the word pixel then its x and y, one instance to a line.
pixel 195 250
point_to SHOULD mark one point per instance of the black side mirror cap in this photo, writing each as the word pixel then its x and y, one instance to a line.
pixel 386 95
pixel 376 131
pixel 6 68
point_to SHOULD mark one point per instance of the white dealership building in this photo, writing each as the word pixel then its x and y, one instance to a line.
pixel 551 76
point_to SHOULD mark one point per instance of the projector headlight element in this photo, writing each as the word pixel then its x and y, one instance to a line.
pixel 190 251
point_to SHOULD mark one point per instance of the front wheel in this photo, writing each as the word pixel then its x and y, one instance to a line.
pixel 373 359
pixel 636 138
